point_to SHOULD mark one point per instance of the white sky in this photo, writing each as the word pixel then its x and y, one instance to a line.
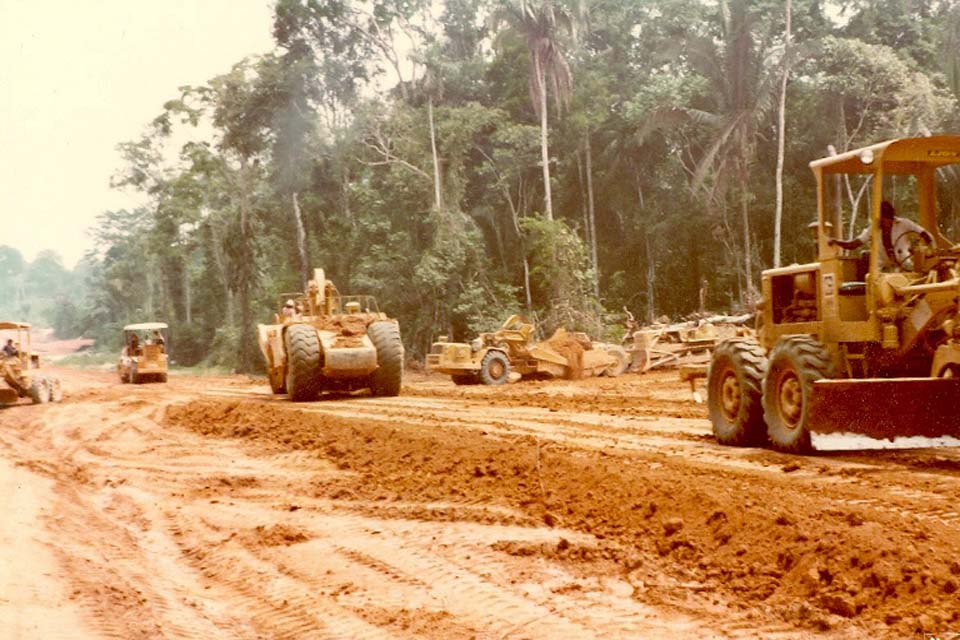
pixel 77 77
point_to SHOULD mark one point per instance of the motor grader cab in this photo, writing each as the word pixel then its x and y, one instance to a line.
pixel 331 342
pixel 492 356
pixel 18 369
pixel 847 344
pixel 143 357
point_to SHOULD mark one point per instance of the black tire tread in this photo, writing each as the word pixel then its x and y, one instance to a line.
pixel 747 357
pixel 388 378
pixel 303 362
pixel 484 374
pixel 813 363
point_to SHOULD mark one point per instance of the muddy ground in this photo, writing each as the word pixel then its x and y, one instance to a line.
pixel 207 508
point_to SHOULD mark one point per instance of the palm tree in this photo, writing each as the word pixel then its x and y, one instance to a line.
pixel 541 26
pixel 743 85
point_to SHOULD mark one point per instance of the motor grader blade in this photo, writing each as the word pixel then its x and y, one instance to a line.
pixel 885 409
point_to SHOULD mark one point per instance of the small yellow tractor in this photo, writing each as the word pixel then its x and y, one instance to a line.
pixel 324 341
pixel 868 345
pixel 491 357
pixel 17 363
pixel 144 354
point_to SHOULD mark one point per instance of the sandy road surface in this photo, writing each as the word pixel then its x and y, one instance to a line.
pixel 206 508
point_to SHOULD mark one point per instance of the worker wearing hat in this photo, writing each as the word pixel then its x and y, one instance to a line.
pixel 895 232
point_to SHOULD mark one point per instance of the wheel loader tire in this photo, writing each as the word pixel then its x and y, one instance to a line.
pixel 734 382
pixel 465 380
pixel 388 378
pixel 303 362
pixel 124 378
pixel 495 368
pixel 40 391
pixel 135 378
pixel 796 362
pixel 618 367
pixel 56 391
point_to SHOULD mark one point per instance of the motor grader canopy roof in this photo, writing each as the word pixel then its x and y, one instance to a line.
pixel 901 156
pixel 13 325
pixel 146 326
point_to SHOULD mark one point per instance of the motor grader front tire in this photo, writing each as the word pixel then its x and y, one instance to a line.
pixel 796 363
pixel 56 391
pixel 388 378
pixel 303 362
pixel 495 368
pixel 734 382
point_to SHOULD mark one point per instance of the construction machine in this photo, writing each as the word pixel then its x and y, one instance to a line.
pixel 325 341
pixel 492 356
pixel 17 371
pixel 144 354
pixel 867 345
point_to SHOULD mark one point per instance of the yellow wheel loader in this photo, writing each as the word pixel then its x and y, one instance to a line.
pixel 866 344
pixel 323 341
pixel 17 368
pixel 491 357
pixel 144 354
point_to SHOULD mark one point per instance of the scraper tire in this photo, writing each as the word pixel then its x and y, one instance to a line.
pixel 733 392
pixel 796 362
pixel 388 378
pixel 304 364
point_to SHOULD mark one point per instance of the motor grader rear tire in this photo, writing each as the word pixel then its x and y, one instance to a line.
pixel 388 378
pixel 40 391
pixel 734 382
pixel 796 362
pixel 495 368
pixel 303 362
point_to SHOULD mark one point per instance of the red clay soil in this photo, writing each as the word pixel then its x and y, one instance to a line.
pixel 210 508
pixel 571 349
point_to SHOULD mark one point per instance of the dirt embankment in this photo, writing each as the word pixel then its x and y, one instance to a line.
pixel 781 543
pixel 210 508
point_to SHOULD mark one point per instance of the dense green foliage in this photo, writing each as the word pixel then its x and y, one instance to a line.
pixel 401 151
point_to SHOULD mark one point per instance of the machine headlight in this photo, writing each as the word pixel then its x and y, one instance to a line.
pixel 476 344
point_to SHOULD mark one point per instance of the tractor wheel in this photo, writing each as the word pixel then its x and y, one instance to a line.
pixel 796 362
pixel 135 378
pixel 495 368
pixel 622 361
pixel 733 392
pixel 461 380
pixel 388 378
pixel 56 391
pixel 40 391
pixel 303 362
pixel 124 378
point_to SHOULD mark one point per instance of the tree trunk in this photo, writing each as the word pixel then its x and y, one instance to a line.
pixel 651 279
pixel 301 243
pixel 750 291
pixel 592 219
pixel 781 130
pixel 544 148
pixel 437 196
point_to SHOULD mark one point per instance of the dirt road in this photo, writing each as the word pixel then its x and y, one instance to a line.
pixel 206 508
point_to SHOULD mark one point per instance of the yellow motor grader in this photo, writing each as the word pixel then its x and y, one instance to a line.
pixel 867 345
pixel 16 368
pixel 491 357
pixel 324 341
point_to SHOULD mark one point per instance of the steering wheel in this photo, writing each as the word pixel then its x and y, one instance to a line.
pixel 915 239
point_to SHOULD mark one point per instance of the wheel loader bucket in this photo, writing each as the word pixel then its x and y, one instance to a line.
pixel 885 409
